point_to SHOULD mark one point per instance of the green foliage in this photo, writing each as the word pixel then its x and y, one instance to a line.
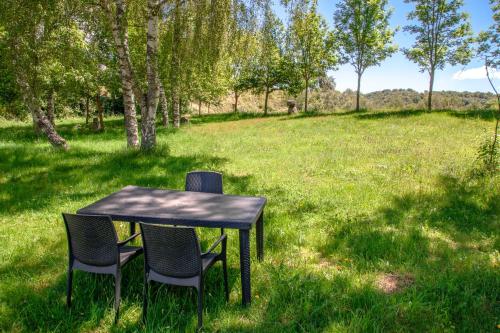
pixel 488 157
pixel 489 41
pixel 312 45
pixel 443 34
pixel 363 33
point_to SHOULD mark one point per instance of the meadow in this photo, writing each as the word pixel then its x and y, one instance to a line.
pixel 375 222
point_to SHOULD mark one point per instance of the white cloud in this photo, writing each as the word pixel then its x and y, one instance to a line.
pixel 477 73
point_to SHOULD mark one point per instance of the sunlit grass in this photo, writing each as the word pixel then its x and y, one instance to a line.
pixel 352 198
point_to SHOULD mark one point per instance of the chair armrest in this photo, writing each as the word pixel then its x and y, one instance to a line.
pixel 214 245
pixel 128 239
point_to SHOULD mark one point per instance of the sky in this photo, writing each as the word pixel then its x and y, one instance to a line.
pixel 398 72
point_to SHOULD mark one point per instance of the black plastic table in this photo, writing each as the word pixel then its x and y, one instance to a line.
pixel 194 209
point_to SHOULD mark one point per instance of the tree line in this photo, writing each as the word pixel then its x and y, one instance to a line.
pixel 159 56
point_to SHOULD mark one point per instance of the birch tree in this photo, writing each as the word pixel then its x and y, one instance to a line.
pixel 32 31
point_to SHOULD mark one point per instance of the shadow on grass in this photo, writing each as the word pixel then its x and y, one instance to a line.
pixel 41 307
pixel 70 130
pixel 466 114
pixel 317 114
pixel 440 238
pixel 38 179
pixel 475 114
pixel 233 116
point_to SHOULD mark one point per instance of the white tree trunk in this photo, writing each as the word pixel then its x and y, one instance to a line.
pixel 120 37
pixel 39 118
pixel 163 106
pixel 148 128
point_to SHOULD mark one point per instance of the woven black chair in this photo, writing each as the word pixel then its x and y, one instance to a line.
pixel 93 247
pixel 205 181
pixel 172 255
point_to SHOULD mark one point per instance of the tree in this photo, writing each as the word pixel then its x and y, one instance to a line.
pixel 147 95
pixel 363 33
pixel 116 15
pixel 311 43
pixel 267 71
pixel 489 51
pixel 32 31
pixel 243 48
pixel 443 36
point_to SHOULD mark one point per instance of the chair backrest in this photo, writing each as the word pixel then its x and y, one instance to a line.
pixel 92 239
pixel 204 181
pixel 171 251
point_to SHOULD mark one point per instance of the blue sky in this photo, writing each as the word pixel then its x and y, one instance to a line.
pixel 399 72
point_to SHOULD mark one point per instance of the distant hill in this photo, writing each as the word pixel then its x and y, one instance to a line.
pixel 389 99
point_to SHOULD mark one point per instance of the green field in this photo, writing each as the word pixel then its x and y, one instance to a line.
pixel 374 223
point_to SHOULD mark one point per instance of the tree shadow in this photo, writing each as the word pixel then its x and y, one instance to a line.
pixel 36 178
pixel 441 238
pixel 31 305
pixel 71 130
pixel 393 114
pixel 41 179
pixel 467 114
pixel 233 116
pixel 474 114
pixel 319 114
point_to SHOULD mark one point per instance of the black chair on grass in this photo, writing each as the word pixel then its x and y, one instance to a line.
pixel 93 247
pixel 205 181
pixel 172 255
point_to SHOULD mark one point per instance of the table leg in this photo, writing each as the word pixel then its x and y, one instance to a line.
pixel 245 266
pixel 132 228
pixel 260 237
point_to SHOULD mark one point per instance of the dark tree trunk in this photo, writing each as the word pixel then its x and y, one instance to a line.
pixel 266 99
pixel 163 106
pixel 431 87
pixel 100 112
pixel 50 108
pixel 199 107
pixel 87 113
pixel 307 95
pixel 358 92
pixel 236 96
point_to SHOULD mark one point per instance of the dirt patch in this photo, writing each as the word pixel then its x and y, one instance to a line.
pixel 393 283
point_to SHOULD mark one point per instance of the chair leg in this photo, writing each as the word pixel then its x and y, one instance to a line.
pixel 117 295
pixel 200 304
pixel 69 287
pixel 224 270
pixel 145 301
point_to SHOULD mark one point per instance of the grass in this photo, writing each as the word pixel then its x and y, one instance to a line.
pixel 353 199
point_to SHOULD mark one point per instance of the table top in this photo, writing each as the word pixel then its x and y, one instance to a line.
pixel 149 205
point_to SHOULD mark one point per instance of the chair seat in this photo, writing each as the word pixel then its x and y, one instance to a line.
pixel 128 252
pixel 208 260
